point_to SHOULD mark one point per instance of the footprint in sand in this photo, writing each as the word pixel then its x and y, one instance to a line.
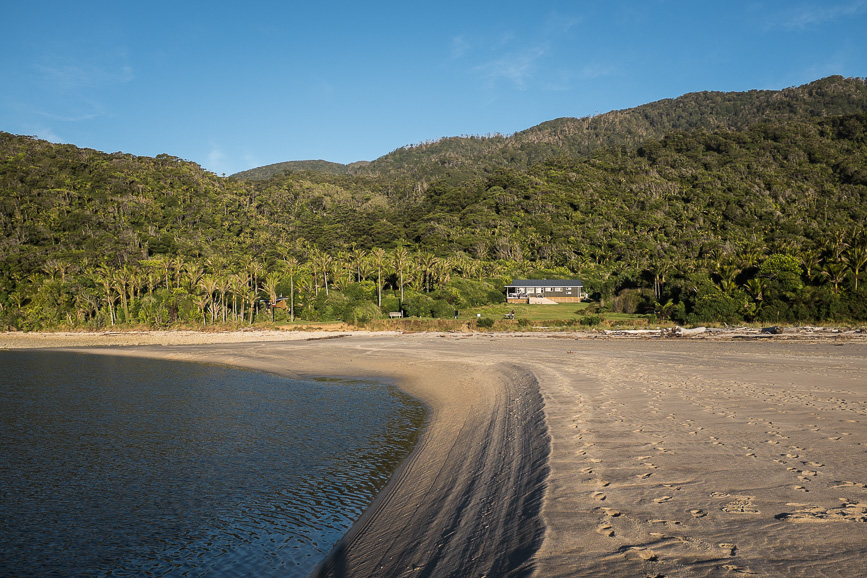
pixel 741 505
pixel 663 499
pixel 848 512
pixel 698 513
pixel 605 530
pixel 845 484
pixel 641 553
pixel 730 548
pixel 664 522
pixel 611 512
pixel 598 496
pixel 737 569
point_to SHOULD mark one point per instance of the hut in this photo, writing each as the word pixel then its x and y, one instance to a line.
pixel 545 291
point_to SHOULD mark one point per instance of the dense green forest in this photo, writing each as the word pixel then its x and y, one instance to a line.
pixel 715 207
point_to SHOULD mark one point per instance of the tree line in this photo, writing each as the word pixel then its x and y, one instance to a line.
pixel 354 285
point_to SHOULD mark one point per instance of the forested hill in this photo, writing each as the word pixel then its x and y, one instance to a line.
pixel 763 222
pixel 459 158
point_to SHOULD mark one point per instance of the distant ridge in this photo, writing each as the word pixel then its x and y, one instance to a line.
pixel 459 158
pixel 319 166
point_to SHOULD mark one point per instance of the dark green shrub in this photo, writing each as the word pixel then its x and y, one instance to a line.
pixel 449 294
pixel 324 307
pixel 390 303
pixel 485 322
pixel 442 309
pixel 857 304
pixel 775 311
pixel 783 273
pixel 467 293
pixel 366 290
pixel 719 307
pixel 417 305
pixel 632 301
pixel 361 312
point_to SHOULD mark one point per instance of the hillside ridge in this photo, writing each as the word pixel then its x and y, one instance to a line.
pixel 459 157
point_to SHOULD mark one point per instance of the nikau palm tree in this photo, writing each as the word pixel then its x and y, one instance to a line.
pixel 378 258
pixel 270 287
pixel 856 257
pixel 291 265
pixel 400 255
pixel 836 274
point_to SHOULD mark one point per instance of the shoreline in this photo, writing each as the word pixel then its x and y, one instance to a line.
pixel 484 443
pixel 660 456
pixel 168 337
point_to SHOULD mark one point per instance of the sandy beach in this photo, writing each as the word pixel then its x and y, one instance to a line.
pixel 560 455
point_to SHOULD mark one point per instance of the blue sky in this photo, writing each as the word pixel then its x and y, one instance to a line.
pixel 232 86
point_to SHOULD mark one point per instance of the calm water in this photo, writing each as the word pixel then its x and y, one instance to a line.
pixel 119 466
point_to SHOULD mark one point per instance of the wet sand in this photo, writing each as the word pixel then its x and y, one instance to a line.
pixel 556 456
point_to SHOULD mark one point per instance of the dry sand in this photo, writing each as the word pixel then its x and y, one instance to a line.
pixel 558 456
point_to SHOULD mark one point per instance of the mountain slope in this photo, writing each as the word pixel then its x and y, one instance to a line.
pixel 460 158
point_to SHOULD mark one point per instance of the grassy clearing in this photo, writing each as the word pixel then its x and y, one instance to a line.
pixel 562 317
pixel 561 311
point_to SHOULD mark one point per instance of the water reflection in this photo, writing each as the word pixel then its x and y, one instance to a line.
pixel 121 466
